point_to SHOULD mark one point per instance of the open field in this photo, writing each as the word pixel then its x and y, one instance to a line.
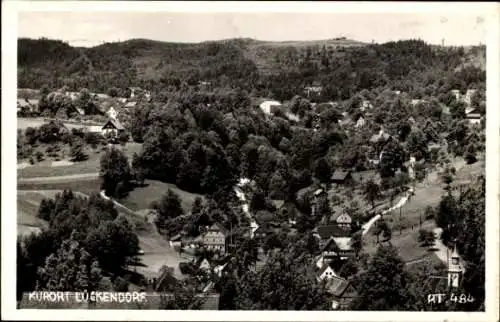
pixel 25 122
pixel 84 186
pixel 406 243
pixel 91 165
pixel 142 197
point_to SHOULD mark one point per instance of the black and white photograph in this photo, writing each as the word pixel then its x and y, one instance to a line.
pixel 186 160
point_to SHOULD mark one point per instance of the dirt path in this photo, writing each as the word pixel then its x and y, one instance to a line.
pixel 80 176
pixel 366 227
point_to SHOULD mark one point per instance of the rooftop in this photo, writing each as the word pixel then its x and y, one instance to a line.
pixel 337 285
pixel 340 174
pixel 327 231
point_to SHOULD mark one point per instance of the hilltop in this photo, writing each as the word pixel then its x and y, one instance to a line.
pixel 345 65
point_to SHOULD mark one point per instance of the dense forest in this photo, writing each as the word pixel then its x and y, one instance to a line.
pixel 266 69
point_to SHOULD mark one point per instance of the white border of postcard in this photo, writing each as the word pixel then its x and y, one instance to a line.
pixel 10 11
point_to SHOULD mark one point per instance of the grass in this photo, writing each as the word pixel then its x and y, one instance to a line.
pixel 25 122
pixel 425 195
pixel 27 209
pixel 406 243
pixel 91 165
pixel 84 186
pixel 142 197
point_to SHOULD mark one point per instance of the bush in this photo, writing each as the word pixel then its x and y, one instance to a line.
pixel 120 285
pixel 39 156
pixel 93 138
pixel 186 268
pixel 123 138
pixel 426 237
pixel 470 158
pixel 430 213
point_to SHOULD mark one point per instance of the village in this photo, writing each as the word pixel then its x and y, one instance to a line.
pixel 209 257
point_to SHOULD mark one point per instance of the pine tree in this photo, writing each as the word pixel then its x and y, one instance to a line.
pixel 114 169
pixel 77 151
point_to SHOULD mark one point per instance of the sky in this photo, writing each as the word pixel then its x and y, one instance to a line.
pixel 91 28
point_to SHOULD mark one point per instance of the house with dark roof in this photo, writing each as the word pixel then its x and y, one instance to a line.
pixel 166 280
pixel 324 232
pixel 337 248
pixel 341 177
pixel 112 127
pixel 473 117
pixel 27 105
pixel 342 292
pixel 314 90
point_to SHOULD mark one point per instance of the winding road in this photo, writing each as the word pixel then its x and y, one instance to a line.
pixel 366 227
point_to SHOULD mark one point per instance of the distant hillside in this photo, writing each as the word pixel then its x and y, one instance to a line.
pixel 345 65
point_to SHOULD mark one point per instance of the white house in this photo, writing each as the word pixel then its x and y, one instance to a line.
pixel 205 265
pixel 365 105
pixel 456 93
pixel 266 106
pixel 361 122
pixel 468 96
pixel 416 101
pixel 474 118
pixel 326 273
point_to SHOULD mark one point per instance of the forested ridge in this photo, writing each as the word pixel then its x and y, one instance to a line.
pixel 268 69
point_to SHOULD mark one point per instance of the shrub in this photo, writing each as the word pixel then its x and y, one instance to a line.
pixel 123 138
pixel 186 268
pixel 430 213
pixel 120 285
pixel 426 237
pixel 39 156
pixel 93 138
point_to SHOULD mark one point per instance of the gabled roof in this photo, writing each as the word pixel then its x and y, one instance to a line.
pixel 176 237
pixel 203 261
pixel 343 243
pixel 318 192
pixel 331 244
pixel 469 110
pixel 324 268
pixel 130 104
pixel 327 231
pixel 380 137
pixel 343 218
pixel 337 285
pixel 115 123
pixel 340 174
pixel 217 227
pixel 474 116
